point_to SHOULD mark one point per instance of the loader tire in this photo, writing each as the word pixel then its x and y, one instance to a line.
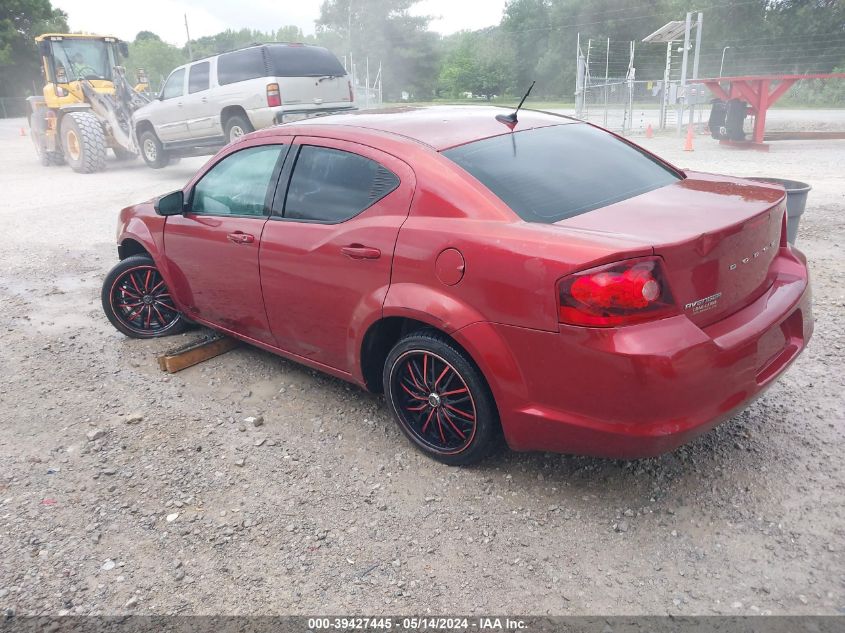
pixel 84 142
pixel 46 158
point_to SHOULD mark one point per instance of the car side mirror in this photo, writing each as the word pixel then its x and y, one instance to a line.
pixel 171 204
pixel 124 49
pixel 44 48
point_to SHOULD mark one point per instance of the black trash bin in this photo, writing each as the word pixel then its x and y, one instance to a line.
pixel 796 201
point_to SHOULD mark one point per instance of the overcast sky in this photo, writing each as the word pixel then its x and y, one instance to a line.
pixel 207 17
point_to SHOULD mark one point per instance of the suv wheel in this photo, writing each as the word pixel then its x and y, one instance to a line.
pixel 236 127
pixel 152 150
pixel 440 399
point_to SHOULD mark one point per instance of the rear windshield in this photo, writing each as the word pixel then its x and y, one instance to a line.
pixel 240 66
pixel 553 173
pixel 304 61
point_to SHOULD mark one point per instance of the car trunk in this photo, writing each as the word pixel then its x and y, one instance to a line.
pixel 717 236
pixel 314 92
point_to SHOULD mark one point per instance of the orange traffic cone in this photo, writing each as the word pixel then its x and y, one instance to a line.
pixel 688 144
pixel 23 131
pixel 649 131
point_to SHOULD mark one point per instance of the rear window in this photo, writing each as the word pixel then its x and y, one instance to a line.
pixel 303 61
pixel 553 173
pixel 241 65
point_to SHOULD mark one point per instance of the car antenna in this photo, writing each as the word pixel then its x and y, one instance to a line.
pixel 510 119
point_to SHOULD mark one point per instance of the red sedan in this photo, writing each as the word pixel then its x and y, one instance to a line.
pixel 543 280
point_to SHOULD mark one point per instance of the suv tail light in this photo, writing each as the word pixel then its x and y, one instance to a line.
pixel 274 97
pixel 626 292
pixel 351 93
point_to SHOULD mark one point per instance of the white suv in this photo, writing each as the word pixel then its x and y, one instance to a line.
pixel 210 102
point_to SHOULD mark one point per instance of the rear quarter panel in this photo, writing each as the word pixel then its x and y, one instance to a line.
pixel 511 267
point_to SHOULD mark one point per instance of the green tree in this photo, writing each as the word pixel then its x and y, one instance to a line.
pixel 481 62
pixel 20 22
pixel 383 31
pixel 156 57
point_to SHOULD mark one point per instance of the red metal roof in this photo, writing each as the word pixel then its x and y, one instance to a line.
pixel 440 127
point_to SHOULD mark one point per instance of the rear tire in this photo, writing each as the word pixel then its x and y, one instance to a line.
pixel 137 301
pixel 83 142
pixel 440 399
pixel 152 150
pixel 236 127
pixel 36 133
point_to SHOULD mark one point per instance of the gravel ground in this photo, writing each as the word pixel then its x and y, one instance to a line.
pixel 124 490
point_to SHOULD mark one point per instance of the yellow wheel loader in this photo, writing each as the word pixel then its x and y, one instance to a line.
pixel 87 103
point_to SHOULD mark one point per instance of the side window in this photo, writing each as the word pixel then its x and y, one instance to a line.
pixel 330 185
pixel 198 77
pixel 238 184
pixel 241 65
pixel 173 87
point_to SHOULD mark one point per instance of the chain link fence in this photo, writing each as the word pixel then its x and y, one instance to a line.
pixel 629 107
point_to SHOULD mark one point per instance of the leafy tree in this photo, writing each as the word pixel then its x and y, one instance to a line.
pixel 156 57
pixel 480 62
pixel 20 22
pixel 146 35
pixel 383 31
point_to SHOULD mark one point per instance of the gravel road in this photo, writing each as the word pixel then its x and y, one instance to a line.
pixel 123 490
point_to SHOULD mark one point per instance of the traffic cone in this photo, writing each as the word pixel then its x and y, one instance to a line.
pixel 688 144
pixel 649 131
pixel 23 131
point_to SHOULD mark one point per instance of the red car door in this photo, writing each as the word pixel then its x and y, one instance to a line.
pixel 327 250
pixel 212 249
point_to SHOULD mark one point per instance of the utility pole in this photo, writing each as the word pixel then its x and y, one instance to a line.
pixel 698 23
pixel 682 102
pixel 188 34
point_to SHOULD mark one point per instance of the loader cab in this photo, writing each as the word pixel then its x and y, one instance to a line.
pixel 70 58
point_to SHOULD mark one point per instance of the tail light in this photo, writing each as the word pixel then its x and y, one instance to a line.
pixel 274 97
pixel 351 93
pixel 616 294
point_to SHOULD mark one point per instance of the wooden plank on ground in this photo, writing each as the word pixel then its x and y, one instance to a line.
pixel 195 352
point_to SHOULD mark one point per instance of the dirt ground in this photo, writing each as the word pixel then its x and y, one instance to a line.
pixel 120 489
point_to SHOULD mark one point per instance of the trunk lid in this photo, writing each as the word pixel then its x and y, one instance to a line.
pixel 717 236
pixel 314 92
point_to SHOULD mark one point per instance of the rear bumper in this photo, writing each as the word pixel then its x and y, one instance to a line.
pixel 645 389
pixel 288 115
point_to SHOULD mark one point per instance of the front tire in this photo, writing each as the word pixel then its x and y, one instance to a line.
pixel 440 399
pixel 236 127
pixel 83 142
pixel 137 301
pixel 152 150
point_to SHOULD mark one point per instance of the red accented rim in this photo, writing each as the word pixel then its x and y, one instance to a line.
pixel 433 401
pixel 141 301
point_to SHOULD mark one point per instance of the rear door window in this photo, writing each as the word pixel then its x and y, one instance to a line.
pixel 198 77
pixel 553 173
pixel 174 85
pixel 241 65
pixel 303 61
pixel 331 185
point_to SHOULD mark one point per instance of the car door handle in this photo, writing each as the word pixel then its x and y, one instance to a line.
pixel 239 237
pixel 204 99
pixel 357 251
